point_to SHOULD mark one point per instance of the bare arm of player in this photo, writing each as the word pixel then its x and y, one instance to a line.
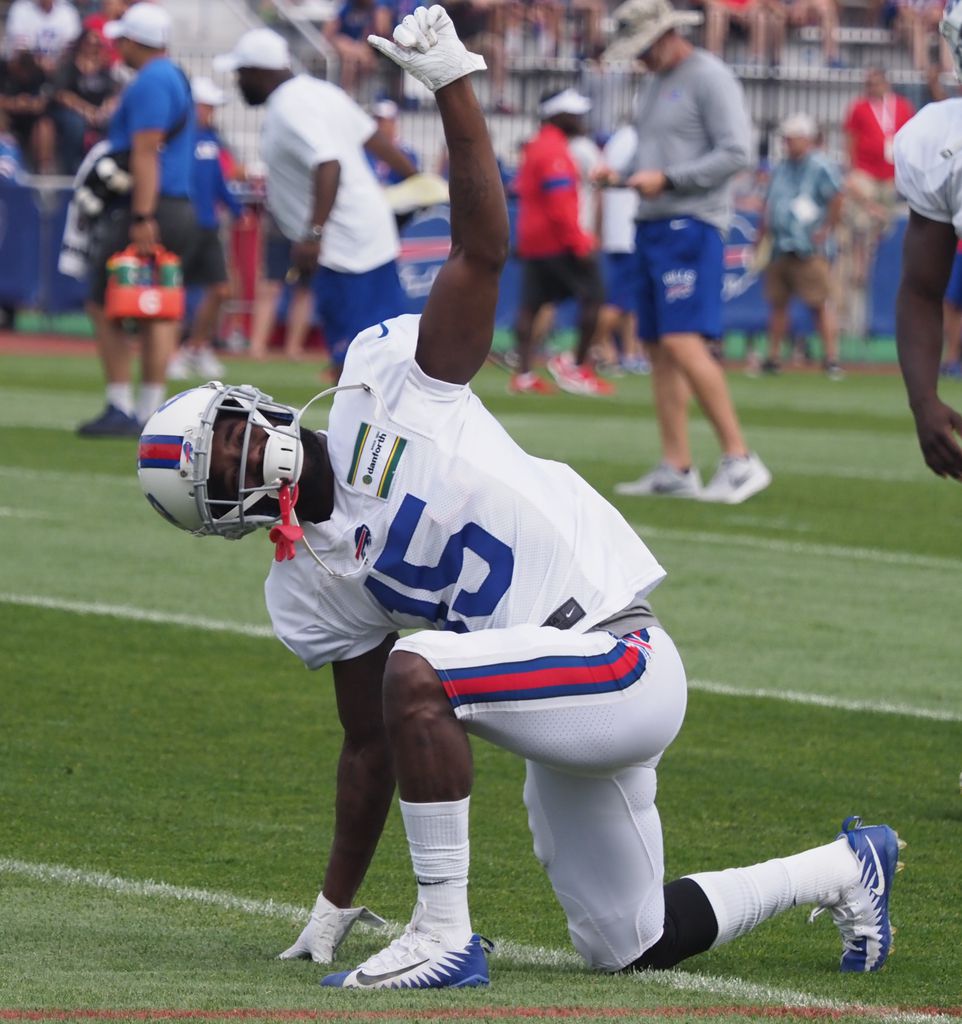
pixel 382 148
pixel 365 774
pixel 457 325
pixel 927 255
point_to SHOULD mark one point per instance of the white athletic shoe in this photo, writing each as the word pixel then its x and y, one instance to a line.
pixel 419 959
pixel 664 480
pixel 737 479
pixel 181 365
pixel 207 365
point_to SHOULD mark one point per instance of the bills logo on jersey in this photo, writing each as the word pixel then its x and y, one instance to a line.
pixel 377 453
pixel 362 541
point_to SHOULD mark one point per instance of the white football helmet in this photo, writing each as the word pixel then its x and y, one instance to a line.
pixel 173 460
pixel 950 28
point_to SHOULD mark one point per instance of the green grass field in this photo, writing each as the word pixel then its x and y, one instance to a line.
pixel 166 768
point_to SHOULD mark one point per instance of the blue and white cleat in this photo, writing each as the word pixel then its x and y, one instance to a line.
pixel 862 914
pixel 419 959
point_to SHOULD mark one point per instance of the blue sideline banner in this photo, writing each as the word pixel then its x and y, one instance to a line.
pixel 30 234
pixel 19 245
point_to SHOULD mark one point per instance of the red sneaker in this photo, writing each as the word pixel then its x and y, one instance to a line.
pixel 530 384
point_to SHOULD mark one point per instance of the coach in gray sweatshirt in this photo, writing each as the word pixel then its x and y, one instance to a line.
pixel 693 137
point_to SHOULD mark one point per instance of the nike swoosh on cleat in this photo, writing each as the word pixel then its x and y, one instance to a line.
pixel 880 889
pixel 372 979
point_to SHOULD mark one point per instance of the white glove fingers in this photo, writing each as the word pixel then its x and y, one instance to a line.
pixel 390 50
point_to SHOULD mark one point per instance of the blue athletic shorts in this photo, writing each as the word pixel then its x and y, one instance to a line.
pixel 680 263
pixel 621 282
pixel 350 303
pixel 953 292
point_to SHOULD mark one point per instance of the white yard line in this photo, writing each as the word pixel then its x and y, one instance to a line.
pixel 735 989
pixel 823 701
pixel 134 614
pixel 125 611
pixel 806 549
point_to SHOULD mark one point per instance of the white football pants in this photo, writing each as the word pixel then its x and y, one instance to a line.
pixel 591 715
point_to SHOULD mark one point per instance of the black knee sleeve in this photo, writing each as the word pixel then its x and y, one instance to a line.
pixel 690 928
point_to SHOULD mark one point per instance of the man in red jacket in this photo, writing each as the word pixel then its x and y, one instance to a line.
pixel 558 255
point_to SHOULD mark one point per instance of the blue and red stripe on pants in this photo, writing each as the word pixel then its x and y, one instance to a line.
pixel 552 675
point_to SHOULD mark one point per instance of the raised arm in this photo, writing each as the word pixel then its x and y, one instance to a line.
pixel 457 325
pixel 927 255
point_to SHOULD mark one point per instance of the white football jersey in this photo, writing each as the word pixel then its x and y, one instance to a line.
pixel 442 521
pixel 928 162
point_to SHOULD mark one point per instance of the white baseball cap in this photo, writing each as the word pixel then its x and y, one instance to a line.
pixel 799 126
pixel 259 48
pixel 207 91
pixel 569 101
pixel 144 23
pixel 384 109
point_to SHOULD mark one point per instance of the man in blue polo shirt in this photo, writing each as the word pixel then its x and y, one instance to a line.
pixel 154 123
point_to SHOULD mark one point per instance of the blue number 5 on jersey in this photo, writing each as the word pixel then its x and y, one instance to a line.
pixel 440 579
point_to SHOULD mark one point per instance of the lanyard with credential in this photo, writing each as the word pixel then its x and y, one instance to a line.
pixel 886 122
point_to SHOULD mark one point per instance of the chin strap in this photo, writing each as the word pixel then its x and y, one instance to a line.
pixel 286 535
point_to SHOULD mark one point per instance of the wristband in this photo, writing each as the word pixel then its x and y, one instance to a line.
pixel 141 218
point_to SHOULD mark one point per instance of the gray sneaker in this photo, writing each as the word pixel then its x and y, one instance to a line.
pixel 737 479
pixel 664 480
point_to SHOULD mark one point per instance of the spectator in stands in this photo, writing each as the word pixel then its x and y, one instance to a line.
pixel 479 26
pixel 751 16
pixel 85 97
pixel 918 22
pixel 43 27
pixel 693 138
pixel 347 32
pixel 25 98
pixel 110 10
pixel 802 211
pixel 322 190
pixel 559 258
pixel 385 114
pixel 209 194
pixel 786 14
pixel 154 124
pixel 11 157
pixel 870 197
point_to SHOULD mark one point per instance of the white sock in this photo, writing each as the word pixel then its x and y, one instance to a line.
pixel 438 839
pixel 121 396
pixel 744 897
pixel 151 398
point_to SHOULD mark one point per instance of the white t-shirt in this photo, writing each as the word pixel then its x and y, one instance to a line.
pixel 444 521
pixel 46 33
pixel 619 206
pixel 310 122
pixel 587 156
pixel 928 162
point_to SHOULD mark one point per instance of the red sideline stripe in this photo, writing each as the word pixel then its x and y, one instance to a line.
pixel 493 1012
pixel 425 249
pixel 573 675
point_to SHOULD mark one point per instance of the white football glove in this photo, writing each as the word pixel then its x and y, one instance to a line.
pixel 427 47
pixel 326 930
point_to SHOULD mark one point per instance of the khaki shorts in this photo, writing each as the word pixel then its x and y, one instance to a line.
pixel 810 279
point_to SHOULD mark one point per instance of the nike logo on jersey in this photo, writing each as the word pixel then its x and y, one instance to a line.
pixel 879 889
pixel 373 979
